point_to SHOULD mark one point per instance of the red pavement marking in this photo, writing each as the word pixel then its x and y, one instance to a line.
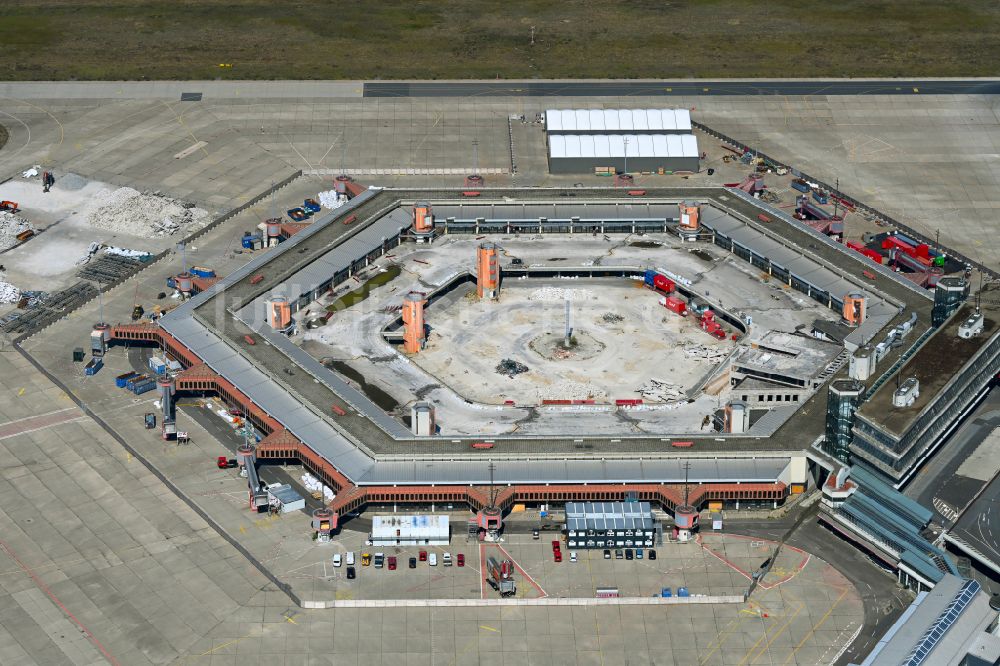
pixel 801 565
pixel 517 566
pixel 44 588
pixel 30 423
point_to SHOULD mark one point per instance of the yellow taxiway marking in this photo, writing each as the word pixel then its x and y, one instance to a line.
pixel 767 645
pixel 223 646
pixel 816 626
pixel 21 392
pixel 483 626
pixel 916 90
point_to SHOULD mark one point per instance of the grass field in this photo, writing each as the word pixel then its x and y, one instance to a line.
pixel 445 39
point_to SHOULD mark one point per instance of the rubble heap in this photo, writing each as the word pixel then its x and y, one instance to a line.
pixel 10 226
pixel 128 211
pixel 510 367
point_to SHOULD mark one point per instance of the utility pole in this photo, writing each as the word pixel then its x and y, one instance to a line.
pixel 532 35
pixel 625 139
pixel 836 201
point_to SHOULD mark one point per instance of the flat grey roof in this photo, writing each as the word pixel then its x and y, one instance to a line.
pixel 215 336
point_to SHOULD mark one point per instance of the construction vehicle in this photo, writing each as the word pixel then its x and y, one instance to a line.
pixel 500 576
pixel 137 312
pixel 10 206
pixel 711 326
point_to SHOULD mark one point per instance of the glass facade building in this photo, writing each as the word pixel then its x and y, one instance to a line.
pixel 842 401
pixel 949 294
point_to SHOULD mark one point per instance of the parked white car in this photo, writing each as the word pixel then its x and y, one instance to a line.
pixel 432 559
pixel 337 560
pixel 349 559
pixel 446 559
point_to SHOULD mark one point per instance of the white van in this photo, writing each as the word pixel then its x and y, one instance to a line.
pixel 350 558
pixel 446 559
pixel 337 560
pixel 432 559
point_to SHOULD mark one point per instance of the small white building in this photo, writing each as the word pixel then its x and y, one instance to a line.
pixel 406 530
pixel 284 499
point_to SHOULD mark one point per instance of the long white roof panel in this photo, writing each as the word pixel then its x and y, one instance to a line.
pixel 618 120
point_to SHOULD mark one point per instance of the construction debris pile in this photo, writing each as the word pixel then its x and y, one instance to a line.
pixel 566 389
pixel 8 292
pixel 510 367
pixel 128 211
pixel 705 353
pixel 657 390
pixel 10 226
pixel 559 294
pixel 612 318
pixel 331 199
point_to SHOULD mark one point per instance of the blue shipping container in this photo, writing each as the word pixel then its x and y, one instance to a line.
pixel 138 379
pixel 800 186
pixel 144 387
pixel 121 380
pixel 202 272
pixel 650 278
pixel 171 283
pixel 682 592
pixel 665 592
pixel 93 366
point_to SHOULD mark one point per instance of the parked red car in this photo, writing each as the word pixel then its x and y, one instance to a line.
pixel 557 555
pixel 423 556
pixel 461 559
pixel 392 564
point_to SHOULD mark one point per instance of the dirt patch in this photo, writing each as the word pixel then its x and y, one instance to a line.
pixel 553 347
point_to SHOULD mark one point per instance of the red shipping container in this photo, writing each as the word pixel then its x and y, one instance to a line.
pixel 663 283
pixel 675 304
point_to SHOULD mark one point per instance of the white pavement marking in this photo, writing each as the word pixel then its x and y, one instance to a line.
pixel 543 601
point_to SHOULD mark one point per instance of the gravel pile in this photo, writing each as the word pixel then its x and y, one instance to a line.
pixel 128 211
pixel 10 226
pixel 71 182
pixel 8 292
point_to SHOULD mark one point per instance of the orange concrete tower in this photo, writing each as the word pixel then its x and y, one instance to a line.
pixel 279 313
pixel 414 335
pixel 488 267
pixel 423 218
pixel 688 213
pixel 854 309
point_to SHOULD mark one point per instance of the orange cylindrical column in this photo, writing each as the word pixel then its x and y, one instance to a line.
pixel 413 322
pixel 488 271
pixel 689 213
pixel 279 313
pixel 423 218
pixel 854 309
